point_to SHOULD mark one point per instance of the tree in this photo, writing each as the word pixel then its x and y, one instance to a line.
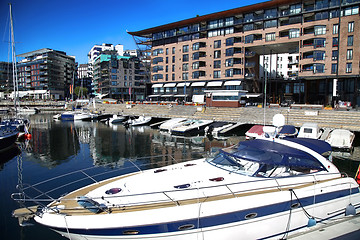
pixel 81 92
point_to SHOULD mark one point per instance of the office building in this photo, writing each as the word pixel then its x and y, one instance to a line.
pixel 216 57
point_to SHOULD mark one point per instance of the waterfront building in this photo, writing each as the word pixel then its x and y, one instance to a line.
pixel 83 78
pixel 119 77
pixel 96 50
pixel 6 78
pixel 216 57
pixel 47 73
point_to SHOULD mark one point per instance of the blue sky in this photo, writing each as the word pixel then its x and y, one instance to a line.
pixel 74 26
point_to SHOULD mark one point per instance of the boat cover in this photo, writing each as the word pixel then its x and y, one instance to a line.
pixel 273 153
pixel 316 145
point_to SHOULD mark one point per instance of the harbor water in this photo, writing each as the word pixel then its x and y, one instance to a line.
pixel 59 148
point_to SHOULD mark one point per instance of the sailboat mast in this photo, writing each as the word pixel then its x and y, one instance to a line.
pixel 13 59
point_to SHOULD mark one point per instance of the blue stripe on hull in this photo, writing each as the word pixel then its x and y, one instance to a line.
pixel 216 220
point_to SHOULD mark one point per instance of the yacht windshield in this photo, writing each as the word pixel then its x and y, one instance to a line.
pixel 235 164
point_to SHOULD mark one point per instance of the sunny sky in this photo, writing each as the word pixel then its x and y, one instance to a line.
pixel 74 26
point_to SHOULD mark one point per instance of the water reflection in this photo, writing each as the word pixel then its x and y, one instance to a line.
pixel 54 143
pixel 8 154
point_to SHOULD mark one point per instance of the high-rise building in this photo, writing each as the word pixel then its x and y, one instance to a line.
pixel 216 57
pixel 47 70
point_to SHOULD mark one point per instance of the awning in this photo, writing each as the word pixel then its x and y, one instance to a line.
pixel 150 96
pixel 198 84
pixel 225 93
pixel 157 85
pixel 181 95
pixel 167 95
pixel 249 95
pixel 214 84
pixel 183 84
pixel 232 83
pixel 169 84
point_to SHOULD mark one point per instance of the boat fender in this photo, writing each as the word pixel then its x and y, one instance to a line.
pixel 350 210
pixel 311 222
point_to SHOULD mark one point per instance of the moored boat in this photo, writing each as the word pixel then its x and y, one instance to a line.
pixel 171 123
pixel 341 139
pixel 142 120
pixel 8 136
pixel 191 127
pixel 264 188
pixel 310 130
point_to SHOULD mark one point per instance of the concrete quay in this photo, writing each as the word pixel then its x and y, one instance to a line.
pixel 246 115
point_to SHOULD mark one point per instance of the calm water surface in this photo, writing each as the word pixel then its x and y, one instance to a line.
pixel 57 148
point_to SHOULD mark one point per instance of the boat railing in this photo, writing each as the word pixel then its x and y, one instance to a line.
pixel 179 195
pixel 52 189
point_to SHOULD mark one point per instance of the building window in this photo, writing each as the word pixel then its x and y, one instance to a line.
pixel 335 54
pixel 270 24
pixel 270 37
pixel 186 48
pixel 295 8
pixel 333 68
pixel 229 52
pixel 173 59
pixel 166 68
pixel 195 65
pixel 320 30
pixel 319 68
pixel 294 33
pixel 185 76
pixel 167 51
pixel 348 67
pixel 217 54
pixel 217 44
pixel 229 21
pixel 167 60
pixel 351 27
pixel 350 40
pixel 217 64
pixel 185 57
pixel 173 50
pixel 185 67
pixel 195 46
pixel 173 76
pixel 113 83
pixel 229 42
pixel 335 42
pixel 351 10
pixel 229 73
pixel 166 77
pixel 173 68
pixel 349 54
pixel 335 28
pixel 319 55
pixel 217 74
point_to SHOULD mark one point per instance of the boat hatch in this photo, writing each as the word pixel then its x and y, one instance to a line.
pixel 251 215
pixel 113 191
pixel 90 204
pixel 182 186
pixel 131 232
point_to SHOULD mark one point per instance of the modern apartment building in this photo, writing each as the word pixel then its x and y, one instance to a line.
pixel 120 77
pixel 83 78
pixel 217 56
pixel 48 71
pixel 6 77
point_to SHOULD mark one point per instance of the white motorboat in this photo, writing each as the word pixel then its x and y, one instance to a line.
pixel 310 130
pixel 171 123
pixel 341 139
pixel 142 120
pixel 191 126
pixel 116 119
pixel 216 127
pixel 77 116
pixel 263 188
pixel 255 131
